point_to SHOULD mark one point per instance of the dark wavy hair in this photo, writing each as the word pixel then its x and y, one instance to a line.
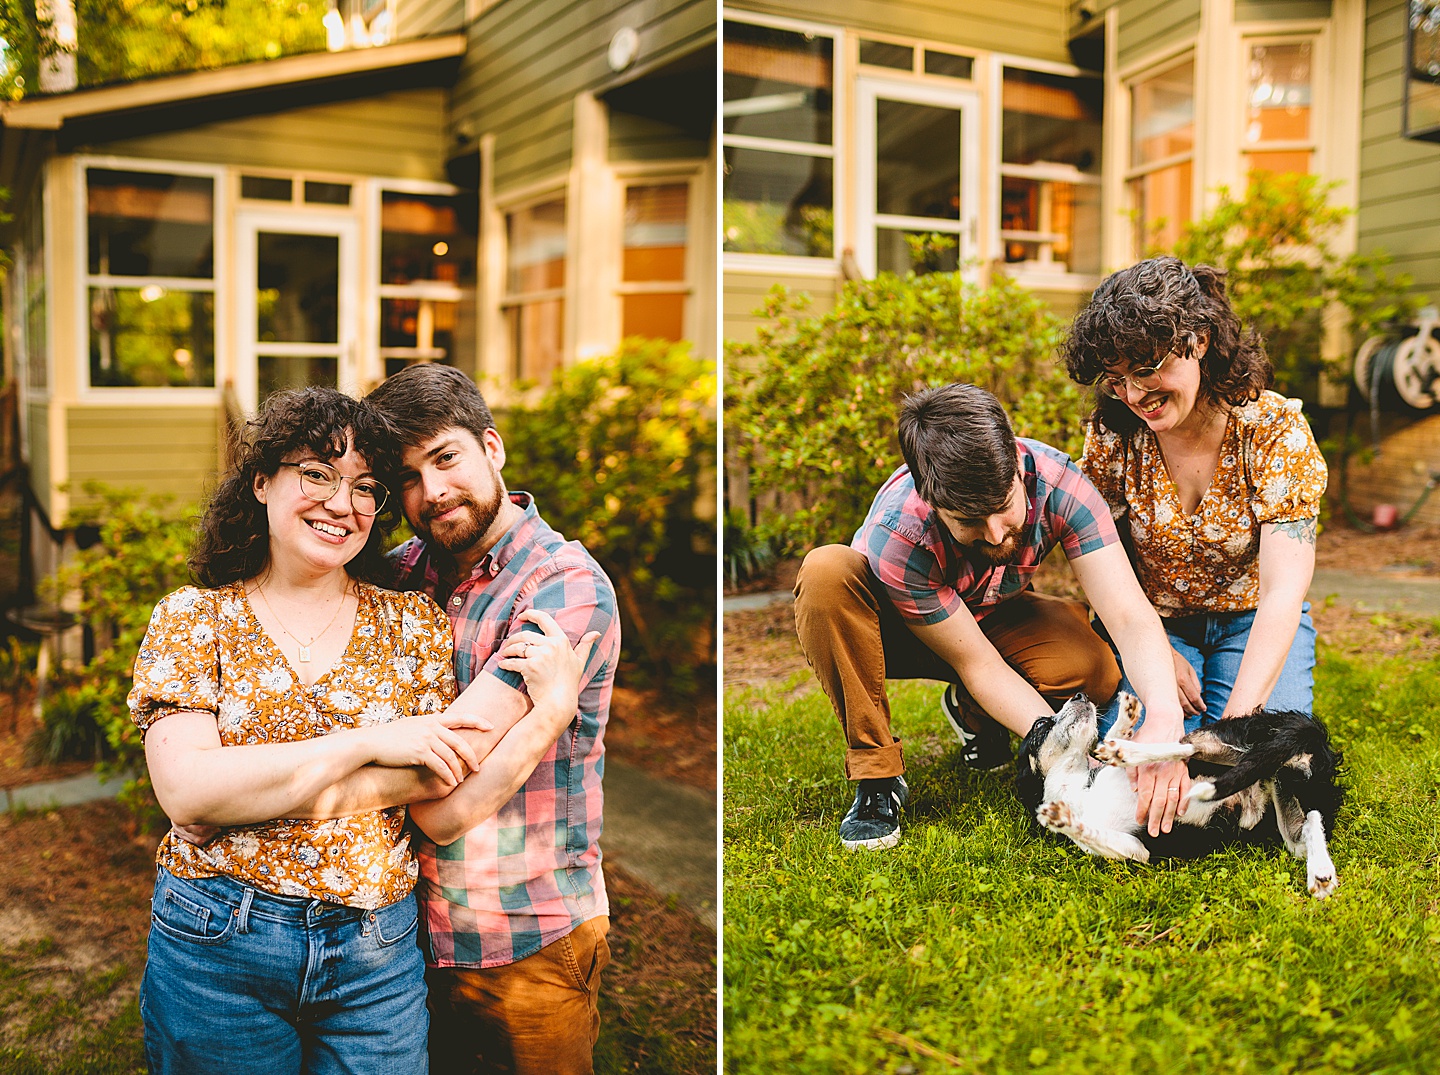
pixel 960 448
pixel 1138 314
pixel 234 539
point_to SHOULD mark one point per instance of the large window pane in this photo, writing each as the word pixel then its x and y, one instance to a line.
pixel 778 203
pixel 917 160
pixel 1051 224
pixel 536 245
pixel 656 231
pixel 149 337
pixel 778 84
pixel 1051 119
pixel 429 237
pixel 1163 116
pixel 1278 97
pixel 298 281
pixel 150 224
pixel 658 316
pixel 905 251
pixel 1162 201
pixel 278 372
pixel 536 339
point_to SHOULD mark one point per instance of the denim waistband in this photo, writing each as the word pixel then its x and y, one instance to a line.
pixel 254 902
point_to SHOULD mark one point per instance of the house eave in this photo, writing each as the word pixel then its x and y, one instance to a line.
pixel 52 113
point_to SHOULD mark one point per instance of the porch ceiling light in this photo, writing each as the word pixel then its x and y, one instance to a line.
pixel 1422 70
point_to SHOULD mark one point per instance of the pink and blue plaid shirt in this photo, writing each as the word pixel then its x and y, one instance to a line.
pixel 529 875
pixel 922 568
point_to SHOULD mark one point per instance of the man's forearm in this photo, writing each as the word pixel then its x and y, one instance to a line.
pixel 1146 654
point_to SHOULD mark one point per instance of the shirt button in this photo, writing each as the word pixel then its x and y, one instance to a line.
pixel 457 601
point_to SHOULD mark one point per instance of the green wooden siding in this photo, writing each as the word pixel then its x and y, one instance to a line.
pixel 399 134
pixel 640 138
pixel 423 18
pixel 169 450
pixel 498 91
pixel 1149 26
pixel 37 422
pixel 1399 204
pixel 745 294
pixel 1280 10
pixel 1034 28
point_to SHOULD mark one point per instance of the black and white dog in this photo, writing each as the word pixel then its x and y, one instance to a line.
pixel 1256 777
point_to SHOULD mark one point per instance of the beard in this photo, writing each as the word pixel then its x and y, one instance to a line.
pixel 984 555
pixel 470 523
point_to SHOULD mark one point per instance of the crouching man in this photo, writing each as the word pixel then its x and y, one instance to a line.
pixel 937 585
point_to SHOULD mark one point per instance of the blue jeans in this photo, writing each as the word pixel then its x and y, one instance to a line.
pixel 1213 643
pixel 239 981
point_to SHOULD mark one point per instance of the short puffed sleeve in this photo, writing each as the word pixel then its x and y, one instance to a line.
pixel 425 635
pixel 178 666
pixel 1287 473
pixel 1103 461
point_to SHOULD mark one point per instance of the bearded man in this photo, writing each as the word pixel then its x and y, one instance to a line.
pixel 937 585
pixel 513 903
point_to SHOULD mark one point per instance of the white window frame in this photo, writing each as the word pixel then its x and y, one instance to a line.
pixel 1060 280
pixel 372 360
pixel 959 96
pixel 789 264
pixel 514 201
pixel 218 285
pixel 297 200
pixel 1177 57
pixel 919 47
pixel 1289 33
pixel 653 174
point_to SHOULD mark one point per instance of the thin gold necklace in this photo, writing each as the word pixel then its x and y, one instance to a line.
pixel 304 655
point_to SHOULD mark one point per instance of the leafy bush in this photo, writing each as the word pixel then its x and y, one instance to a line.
pixel 811 405
pixel 69 729
pixel 747 553
pixel 137 558
pixel 620 455
pixel 1282 271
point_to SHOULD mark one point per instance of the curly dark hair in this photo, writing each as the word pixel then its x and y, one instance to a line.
pixel 234 539
pixel 1139 314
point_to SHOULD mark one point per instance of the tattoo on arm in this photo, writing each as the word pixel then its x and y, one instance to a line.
pixel 1300 530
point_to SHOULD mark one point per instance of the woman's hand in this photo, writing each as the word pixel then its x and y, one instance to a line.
pixel 1192 701
pixel 551 667
pixel 429 740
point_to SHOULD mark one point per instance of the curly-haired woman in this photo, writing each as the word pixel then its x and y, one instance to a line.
pixel 1217 480
pixel 268 697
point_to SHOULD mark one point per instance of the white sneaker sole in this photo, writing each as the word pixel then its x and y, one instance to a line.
pixel 879 843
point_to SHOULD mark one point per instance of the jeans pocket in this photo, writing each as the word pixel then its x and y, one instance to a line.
pixel 186 913
pixel 395 922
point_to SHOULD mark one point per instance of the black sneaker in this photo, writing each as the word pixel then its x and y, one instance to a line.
pixel 985 749
pixel 873 820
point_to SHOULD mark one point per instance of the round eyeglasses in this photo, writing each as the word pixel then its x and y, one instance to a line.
pixel 1144 378
pixel 320 482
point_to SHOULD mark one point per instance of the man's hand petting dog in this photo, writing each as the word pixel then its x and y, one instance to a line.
pixel 1160 788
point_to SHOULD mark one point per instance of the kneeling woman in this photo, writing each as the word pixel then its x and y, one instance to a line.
pixel 286 690
pixel 1216 479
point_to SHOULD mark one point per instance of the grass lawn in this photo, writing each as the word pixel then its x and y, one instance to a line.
pixel 980 945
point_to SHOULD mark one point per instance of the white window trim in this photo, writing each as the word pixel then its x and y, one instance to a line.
pixel 790 264
pixel 958 95
pixel 919 47
pixel 691 173
pixel 994 247
pixel 372 363
pixel 1316 32
pixel 219 285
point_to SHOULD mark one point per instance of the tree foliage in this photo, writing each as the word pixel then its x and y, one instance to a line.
pixel 1277 245
pixel 620 454
pixel 811 405
pixel 124 40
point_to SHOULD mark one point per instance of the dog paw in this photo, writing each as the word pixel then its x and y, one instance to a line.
pixel 1202 791
pixel 1111 752
pixel 1128 717
pixel 1322 888
pixel 1055 816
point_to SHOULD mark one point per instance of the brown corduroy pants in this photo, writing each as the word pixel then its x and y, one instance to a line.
pixel 855 640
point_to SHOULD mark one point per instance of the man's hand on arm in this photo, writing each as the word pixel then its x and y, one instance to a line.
pixel 1109 583
pixel 996 687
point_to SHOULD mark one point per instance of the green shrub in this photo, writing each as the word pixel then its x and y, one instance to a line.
pixel 138 557
pixel 620 454
pixel 69 728
pixel 811 405
pixel 747 552
pixel 1282 272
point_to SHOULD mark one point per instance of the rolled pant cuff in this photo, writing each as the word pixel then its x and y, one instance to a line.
pixel 874 762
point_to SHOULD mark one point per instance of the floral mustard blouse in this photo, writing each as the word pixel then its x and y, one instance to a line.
pixel 1270 471
pixel 205 650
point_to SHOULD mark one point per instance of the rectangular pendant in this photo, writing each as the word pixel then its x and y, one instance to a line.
pixel 304 654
